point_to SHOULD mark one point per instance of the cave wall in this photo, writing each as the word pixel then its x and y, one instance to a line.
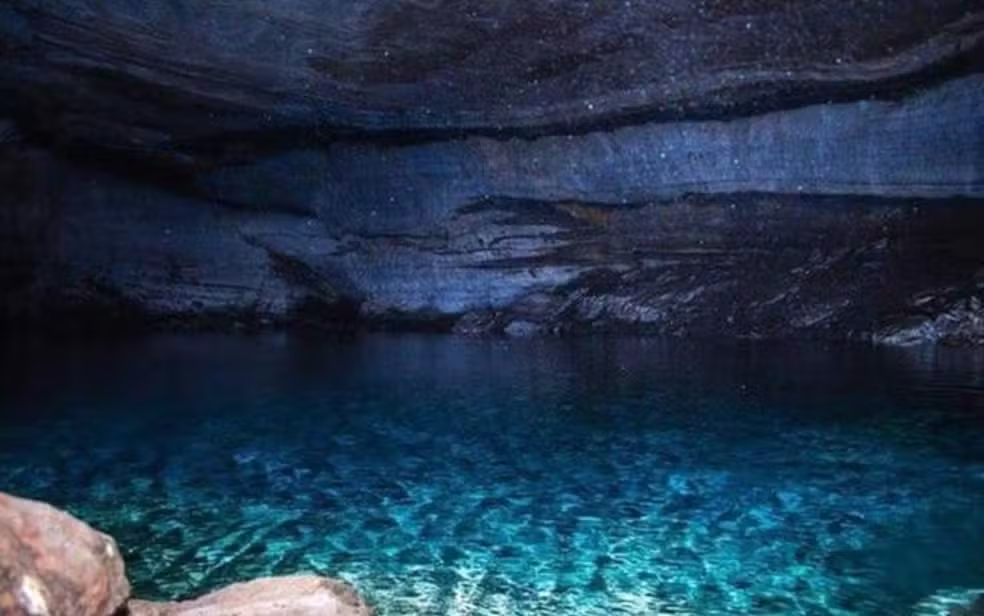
pixel 185 71
pixel 736 169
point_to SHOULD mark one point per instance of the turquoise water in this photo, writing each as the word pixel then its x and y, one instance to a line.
pixel 448 476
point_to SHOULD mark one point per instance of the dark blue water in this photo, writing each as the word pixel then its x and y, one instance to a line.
pixel 449 476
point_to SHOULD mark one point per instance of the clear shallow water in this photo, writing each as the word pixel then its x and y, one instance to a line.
pixel 448 476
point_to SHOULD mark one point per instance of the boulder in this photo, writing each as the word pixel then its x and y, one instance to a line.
pixel 52 564
pixel 300 595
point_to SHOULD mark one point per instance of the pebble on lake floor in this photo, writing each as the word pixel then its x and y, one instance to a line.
pixel 52 564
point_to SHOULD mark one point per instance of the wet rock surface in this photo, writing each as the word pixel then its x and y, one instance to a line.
pixel 54 565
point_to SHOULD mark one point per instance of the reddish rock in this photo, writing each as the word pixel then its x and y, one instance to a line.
pixel 51 564
pixel 301 595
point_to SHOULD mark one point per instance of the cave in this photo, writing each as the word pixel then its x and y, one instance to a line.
pixel 285 243
pixel 708 169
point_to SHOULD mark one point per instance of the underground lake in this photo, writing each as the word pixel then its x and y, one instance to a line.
pixel 444 475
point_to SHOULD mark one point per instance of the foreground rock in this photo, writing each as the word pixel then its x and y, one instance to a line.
pixel 302 595
pixel 51 564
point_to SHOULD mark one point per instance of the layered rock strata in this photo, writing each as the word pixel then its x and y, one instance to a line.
pixel 714 169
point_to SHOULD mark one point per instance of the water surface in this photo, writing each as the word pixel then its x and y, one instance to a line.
pixel 450 476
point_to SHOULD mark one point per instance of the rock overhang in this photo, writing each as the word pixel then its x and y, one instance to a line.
pixel 734 168
pixel 166 78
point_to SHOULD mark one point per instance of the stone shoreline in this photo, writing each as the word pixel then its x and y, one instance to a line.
pixel 52 564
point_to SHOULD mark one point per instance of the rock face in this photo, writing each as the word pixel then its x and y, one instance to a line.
pixel 187 74
pixel 709 168
pixel 54 565
pixel 305 595
pixel 899 271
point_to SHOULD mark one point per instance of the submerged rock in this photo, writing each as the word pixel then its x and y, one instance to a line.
pixel 302 595
pixel 952 602
pixel 51 564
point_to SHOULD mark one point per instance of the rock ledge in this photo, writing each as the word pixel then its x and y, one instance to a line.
pixel 300 595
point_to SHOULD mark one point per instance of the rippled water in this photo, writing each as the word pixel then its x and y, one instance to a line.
pixel 449 476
